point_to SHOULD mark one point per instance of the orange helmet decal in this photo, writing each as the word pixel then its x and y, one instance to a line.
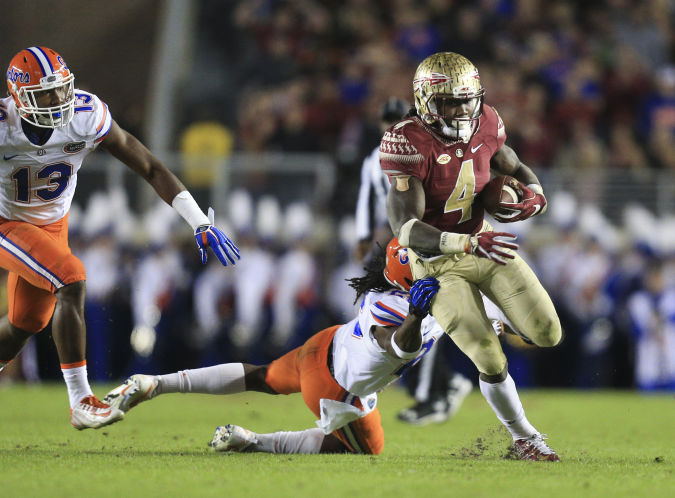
pixel 397 270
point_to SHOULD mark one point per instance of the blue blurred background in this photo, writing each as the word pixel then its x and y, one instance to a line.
pixel 265 109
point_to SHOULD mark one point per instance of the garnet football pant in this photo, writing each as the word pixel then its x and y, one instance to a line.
pixel 40 262
pixel 459 309
pixel 305 370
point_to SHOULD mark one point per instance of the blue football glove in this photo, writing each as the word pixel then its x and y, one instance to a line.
pixel 421 294
pixel 220 244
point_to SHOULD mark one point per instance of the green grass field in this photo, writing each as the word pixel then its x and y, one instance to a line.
pixel 611 444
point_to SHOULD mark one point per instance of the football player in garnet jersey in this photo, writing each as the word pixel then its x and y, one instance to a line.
pixel 438 390
pixel 438 159
pixel 47 127
pixel 339 371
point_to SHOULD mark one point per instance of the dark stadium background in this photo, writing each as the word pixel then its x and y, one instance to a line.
pixel 290 92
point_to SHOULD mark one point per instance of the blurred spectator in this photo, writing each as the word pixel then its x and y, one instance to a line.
pixel 652 311
pixel 658 110
pixel 625 153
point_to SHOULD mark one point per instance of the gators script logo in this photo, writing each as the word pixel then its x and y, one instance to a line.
pixel 14 74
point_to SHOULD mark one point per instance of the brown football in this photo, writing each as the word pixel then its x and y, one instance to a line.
pixel 499 189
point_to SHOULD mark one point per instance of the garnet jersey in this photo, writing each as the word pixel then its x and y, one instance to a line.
pixel 452 173
pixel 37 182
pixel 360 365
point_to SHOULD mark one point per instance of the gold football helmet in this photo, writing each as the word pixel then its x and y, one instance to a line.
pixel 444 80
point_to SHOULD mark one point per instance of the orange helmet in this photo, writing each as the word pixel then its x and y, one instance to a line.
pixel 34 72
pixel 397 271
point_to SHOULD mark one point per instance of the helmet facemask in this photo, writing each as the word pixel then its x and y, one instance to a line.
pixel 443 81
pixel 456 128
pixel 35 112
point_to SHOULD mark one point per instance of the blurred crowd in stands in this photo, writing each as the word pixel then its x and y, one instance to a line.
pixel 582 86
pixel 152 306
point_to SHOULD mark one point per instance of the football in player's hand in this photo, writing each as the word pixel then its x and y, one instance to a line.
pixel 499 189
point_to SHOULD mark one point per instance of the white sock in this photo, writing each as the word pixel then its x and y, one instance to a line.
pixel 77 383
pixel 504 400
pixel 227 378
pixel 306 442
pixel 3 364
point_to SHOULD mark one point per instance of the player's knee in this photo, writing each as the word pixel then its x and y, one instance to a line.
pixel 549 333
pixel 377 450
pixel 490 359
pixel 374 447
pixel 73 292
pixel 71 271
pixel 492 369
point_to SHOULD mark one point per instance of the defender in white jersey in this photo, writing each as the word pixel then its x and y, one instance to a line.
pixel 47 128
pixel 339 372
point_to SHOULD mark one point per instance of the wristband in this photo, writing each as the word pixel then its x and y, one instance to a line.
pixel 405 355
pixel 454 243
pixel 187 207
pixel 536 188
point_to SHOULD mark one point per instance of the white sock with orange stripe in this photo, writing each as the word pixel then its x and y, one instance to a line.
pixel 75 375
pixel 306 442
pixel 227 378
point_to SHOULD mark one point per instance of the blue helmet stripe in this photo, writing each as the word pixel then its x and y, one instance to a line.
pixel 42 59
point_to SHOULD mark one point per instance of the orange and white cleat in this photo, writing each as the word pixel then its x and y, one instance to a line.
pixel 136 389
pixel 534 448
pixel 90 413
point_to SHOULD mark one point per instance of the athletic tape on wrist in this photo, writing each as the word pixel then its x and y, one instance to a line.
pixel 404 232
pixel 405 355
pixel 187 207
pixel 453 243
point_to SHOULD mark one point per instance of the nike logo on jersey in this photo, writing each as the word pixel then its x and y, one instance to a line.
pixel 7 158
pixel 474 149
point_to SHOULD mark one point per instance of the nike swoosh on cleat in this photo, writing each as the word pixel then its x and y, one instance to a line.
pixel 474 149
pixel 7 158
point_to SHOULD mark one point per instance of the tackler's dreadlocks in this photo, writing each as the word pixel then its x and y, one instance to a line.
pixel 374 278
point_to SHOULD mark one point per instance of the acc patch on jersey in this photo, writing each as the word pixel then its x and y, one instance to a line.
pixel 73 147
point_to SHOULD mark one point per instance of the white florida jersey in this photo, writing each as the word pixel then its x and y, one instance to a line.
pixel 38 181
pixel 360 365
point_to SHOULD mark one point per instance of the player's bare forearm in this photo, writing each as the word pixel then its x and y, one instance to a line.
pixel 406 202
pixel 138 158
pixel 408 336
pixel 506 162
